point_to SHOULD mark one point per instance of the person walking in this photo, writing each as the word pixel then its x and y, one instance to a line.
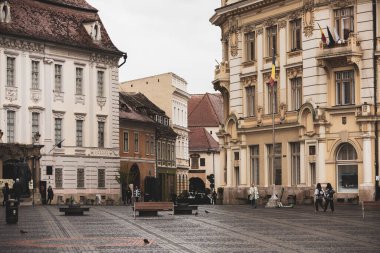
pixel 50 195
pixel 137 193
pixel 129 196
pixel 253 195
pixel 17 190
pixel 6 191
pixel 319 195
pixel 329 197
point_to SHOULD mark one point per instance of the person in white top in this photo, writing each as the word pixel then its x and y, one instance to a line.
pixel 319 194
pixel 253 195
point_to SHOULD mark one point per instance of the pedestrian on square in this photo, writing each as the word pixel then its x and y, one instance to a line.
pixel 253 195
pixel 329 197
pixel 6 191
pixel 129 196
pixel 137 193
pixel 213 196
pixel 319 195
pixel 17 190
pixel 50 195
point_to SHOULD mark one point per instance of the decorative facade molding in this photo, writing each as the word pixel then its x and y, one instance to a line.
pixel 294 72
pixel 11 93
pixel 11 107
pixel 341 3
pixel 21 45
pixel 249 28
pixel 80 99
pixel 104 59
pixel 35 95
pixel 270 22
pixel 249 80
pixel 295 14
pixel 58 96
pixel 101 101
pixel 80 116
pixel 282 24
pixel 233 32
pixel 58 114
pixel 101 118
pixel 36 109
pixel 308 18
pixel 260 31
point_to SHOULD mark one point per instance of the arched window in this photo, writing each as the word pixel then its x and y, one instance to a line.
pixel 347 169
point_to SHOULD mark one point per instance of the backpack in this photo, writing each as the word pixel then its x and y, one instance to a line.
pixel 320 194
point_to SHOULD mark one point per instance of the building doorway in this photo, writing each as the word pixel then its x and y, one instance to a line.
pixel 347 169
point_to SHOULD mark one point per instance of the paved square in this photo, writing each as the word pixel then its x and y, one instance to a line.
pixel 225 228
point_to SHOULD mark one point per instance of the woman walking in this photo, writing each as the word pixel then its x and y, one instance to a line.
pixel 319 194
pixel 253 195
pixel 329 197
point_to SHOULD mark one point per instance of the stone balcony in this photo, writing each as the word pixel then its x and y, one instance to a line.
pixel 222 76
pixel 346 53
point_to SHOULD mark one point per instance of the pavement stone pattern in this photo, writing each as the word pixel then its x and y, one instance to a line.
pixel 226 228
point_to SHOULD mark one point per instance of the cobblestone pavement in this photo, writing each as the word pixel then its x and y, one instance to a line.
pixel 224 229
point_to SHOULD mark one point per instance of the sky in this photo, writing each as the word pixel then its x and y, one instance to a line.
pixel 163 36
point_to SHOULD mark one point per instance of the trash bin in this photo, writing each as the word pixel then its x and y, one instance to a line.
pixel 11 211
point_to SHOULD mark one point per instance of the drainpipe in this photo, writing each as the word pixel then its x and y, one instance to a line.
pixel 125 56
pixel 374 20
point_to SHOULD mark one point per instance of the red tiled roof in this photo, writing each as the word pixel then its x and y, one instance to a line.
pixel 205 110
pixel 200 139
pixel 56 21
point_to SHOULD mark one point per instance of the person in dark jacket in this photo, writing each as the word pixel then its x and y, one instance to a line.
pixel 50 195
pixel 6 192
pixel 329 197
pixel 319 195
pixel 129 196
pixel 17 190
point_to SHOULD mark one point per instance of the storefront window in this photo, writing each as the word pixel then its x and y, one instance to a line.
pixel 347 169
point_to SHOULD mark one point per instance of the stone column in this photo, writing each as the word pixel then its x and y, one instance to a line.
pixel 367 161
pixel 321 165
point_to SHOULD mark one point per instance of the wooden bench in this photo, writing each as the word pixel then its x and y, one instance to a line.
pixel 184 209
pixel 370 205
pixel 151 208
pixel 74 210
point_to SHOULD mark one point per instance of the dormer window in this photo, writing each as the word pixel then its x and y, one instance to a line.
pixel 5 12
pixel 93 29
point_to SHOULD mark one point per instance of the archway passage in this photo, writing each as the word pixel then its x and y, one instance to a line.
pixel 196 185
pixel 13 169
pixel 134 173
pixel 347 169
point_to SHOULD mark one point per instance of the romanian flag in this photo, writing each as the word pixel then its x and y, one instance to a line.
pixel 273 71
pixel 323 37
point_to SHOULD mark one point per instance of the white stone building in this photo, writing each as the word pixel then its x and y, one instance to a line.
pixel 58 78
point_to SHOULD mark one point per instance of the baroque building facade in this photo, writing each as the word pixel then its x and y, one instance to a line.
pixel 324 100
pixel 169 92
pixel 58 91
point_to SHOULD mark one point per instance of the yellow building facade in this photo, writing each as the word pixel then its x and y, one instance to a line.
pixel 324 99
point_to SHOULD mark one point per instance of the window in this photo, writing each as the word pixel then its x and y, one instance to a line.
pixel 79 138
pixel 101 178
pixel 272 99
pixel 347 169
pixel 126 142
pixel 313 174
pixel 79 81
pixel 11 117
pixel 11 71
pixel 173 156
pixel 295 29
pixel 255 168
pixel 80 178
pixel 202 162
pixel 250 46
pixel 271 40
pixel 35 75
pixel 136 142
pixel 58 78
pixel 101 134
pixel 168 151
pixel 312 150
pixel 100 84
pixel 275 171
pixel 58 178
pixel 251 108
pixel 152 145
pixel 344 22
pixel 194 161
pixel 147 142
pixel 345 87
pixel 58 130
pixel 35 123
pixel 296 93
pixel 159 150
pixel 295 163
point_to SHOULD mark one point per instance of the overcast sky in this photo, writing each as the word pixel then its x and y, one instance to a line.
pixel 164 36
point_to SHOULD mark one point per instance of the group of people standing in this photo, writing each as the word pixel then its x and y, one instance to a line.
pixel 16 191
pixel 128 195
pixel 326 195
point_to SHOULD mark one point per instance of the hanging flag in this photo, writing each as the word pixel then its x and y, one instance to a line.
pixel 331 38
pixel 323 37
pixel 273 71
pixel 337 36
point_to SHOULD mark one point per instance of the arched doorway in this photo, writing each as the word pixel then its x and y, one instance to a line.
pixel 134 174
pixel 13 169
pixel 347 169
pixel 196 185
